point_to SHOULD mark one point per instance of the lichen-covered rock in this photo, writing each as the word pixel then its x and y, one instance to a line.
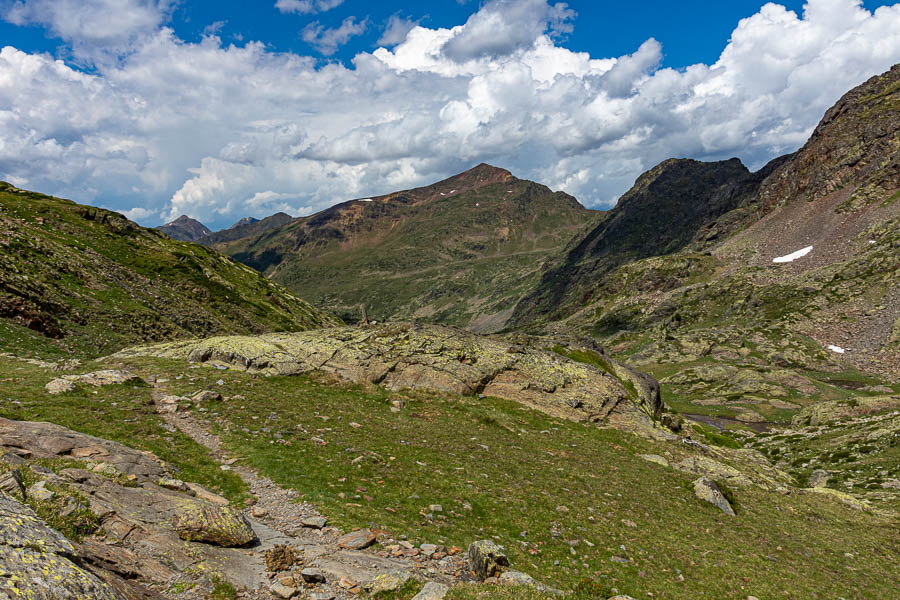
pixel 443 359
pixel 213 524
pixel 389 582
pixel 708 490
pixel 97 379
pixel 825 412
pixel 518 578
pixel 486 559
pixel 36 562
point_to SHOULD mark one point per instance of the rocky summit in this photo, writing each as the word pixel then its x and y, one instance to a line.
pixel 495 393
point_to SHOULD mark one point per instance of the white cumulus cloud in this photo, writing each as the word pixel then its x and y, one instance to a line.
pixel 327 41
pixel 223 131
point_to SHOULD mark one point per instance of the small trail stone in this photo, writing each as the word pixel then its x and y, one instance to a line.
pixel 432 591
pixel 357 540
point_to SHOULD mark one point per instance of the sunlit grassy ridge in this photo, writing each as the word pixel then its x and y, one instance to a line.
pixel 89 281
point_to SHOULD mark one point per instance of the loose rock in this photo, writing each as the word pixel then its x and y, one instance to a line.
pixel 486 559
pixel 708 490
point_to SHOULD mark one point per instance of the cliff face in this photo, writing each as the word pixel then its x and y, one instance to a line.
pixel 856 145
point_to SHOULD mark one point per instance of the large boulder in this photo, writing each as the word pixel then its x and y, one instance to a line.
pixel 214 524
pixel 443 359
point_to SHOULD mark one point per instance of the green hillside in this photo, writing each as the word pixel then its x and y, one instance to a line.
pixel 462 251
pixel 79 278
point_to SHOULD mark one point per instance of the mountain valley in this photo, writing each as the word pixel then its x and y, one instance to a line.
pixel 476 389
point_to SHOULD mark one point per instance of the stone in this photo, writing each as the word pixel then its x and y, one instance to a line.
pixel 207 396
pixel 436 508
pixel 432 591
pixel 621 597
pixel 322 596
pixel 172 484
pixel 11 484
pixel 202 493
pixel 13 459
pixel 312 575
pixel 486 559
pixel 59 386
pixel 46 440
pixel 282 591
pixel 523 579
pixel 40 492
pixel 314 522
pixel 96 379
pixel 655 458
pixel 708 490
pixel 389 582
pixel 818 479
pixel 214 524
pixel 356 540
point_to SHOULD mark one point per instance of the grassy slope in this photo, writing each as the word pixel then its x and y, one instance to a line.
pixel 549 490
pixel 97 282
pixel 122 413
pixel 444 259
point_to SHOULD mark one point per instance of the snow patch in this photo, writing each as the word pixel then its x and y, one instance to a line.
pixel 452 191
pixel 836 349
pixel 793 255
pixel 871 241
pixel 366 200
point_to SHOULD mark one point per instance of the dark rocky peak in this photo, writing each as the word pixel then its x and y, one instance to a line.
pixel 185 229
pixel 245 221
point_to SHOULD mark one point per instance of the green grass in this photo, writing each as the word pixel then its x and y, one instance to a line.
pixel 93 282
pixel 122 413
pixel 550 491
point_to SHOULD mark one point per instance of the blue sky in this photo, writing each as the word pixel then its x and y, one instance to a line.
pixel 226 109
pixel 690 31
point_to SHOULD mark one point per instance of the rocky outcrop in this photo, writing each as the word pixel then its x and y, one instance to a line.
pixel 825 412
pixel 443 359
pixel 38 562
pixel 46 440
pixel 857 144
pixel 67 383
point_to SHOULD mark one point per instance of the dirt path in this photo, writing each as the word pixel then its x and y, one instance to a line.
pixel 278 515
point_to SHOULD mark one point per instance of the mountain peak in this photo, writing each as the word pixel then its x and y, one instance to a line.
pixel 185 229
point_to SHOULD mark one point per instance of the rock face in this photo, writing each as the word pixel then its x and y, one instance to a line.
pixel 46 440
pixel 708 490
pixel 213 524
pixel 38 562
pixel 444 359
pixel 486 559
pixel 857 143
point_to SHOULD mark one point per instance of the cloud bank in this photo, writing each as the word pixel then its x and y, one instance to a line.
pixel 161 127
